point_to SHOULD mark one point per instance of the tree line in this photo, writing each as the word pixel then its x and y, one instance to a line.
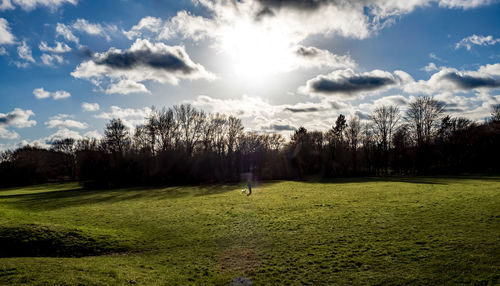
pixel 185 145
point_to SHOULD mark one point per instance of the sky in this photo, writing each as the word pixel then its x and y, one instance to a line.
pixel 69 66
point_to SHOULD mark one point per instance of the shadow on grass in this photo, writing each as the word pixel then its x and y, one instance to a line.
pixel 30 240
pixel 428 180
pixel 55 199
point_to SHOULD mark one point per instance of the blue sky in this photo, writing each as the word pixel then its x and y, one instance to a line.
pixel 68 66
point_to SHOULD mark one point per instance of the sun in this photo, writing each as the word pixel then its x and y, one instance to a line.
pixel 256 51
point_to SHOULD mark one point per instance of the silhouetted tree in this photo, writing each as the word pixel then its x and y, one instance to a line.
pixel 353 133
pixel 116 136
pixel 385 119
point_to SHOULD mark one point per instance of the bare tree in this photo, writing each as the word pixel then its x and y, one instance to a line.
pixel 191 123
pixel 234 133
pixel 423 116
pixel 141 140
pixel 353 133
pixel 167 128
pixel 64 145
pixel 495 113
pixel 385 119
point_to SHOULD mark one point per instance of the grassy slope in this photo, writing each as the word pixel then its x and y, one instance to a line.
pixel 360 231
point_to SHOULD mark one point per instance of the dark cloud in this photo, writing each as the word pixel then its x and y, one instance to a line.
pixel 335 105
pixel 6 119
pixel 453 110
pixel 148 58
pixel 399 101
pixel 294 4
pixel 362 115
pixel 351 84
pixel 84 53
pixel 265 12
pixel 307 51
pixel 299 110
pixel 470 82
pixel 281 127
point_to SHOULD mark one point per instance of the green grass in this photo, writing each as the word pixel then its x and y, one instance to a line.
pixel 424 231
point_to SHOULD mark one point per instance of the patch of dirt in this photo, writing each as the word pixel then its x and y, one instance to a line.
pixel 239 260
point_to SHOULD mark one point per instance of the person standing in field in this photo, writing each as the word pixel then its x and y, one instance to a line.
pixel 248 177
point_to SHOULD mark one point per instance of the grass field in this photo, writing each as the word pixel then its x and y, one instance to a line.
pixel 350 231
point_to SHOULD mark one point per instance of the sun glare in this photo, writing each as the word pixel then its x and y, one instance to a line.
pixel 256 51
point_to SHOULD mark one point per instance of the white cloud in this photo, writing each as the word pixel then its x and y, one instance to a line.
pixel 90 107
pixel 60 121
pixel 451 80
pixel 65 32
pixel 8 134
pixel 93 134
pixel 58 49
pixel 435 57
pixel 131 117
pixel 126 86
pixel 144 61
pixel 29 5
pixel 397 100
pixel 464 4
pixel 490 69
pixel 3 51
pixel 311 57
pixel 94 29
pixel 6 5
pixel 6 37
pixel 24 52
pixel 49 60
pixel 146 24
pixel 40 93
pixel 356 19
pixel 430 67
pixel 251 34
pixel 18 118
pixel 259 115
pixel 477 40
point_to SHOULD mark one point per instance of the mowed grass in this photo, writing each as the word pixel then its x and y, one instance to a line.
pixel 425 231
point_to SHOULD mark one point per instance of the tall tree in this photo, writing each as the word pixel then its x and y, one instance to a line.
pixel 191 122
pixel 116 136
pixel 168 129
pixel 385 119
pixel 353 133
pixel 340 126
pixel 423 116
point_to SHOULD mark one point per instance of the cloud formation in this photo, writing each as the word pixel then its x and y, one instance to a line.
pixel 50 60
pixel 451 80
pixel 309 57
pixel 144 61
pixel 62 121
pixel 94 29
pixel 29 5
pixel 131 117
pixel 59 48
pixel 40 93
pixel 64 31
pixel 477 40
pixel 24 52
pixel 349 83
pixel 6 36
pixel 90 107
pixel 18 118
